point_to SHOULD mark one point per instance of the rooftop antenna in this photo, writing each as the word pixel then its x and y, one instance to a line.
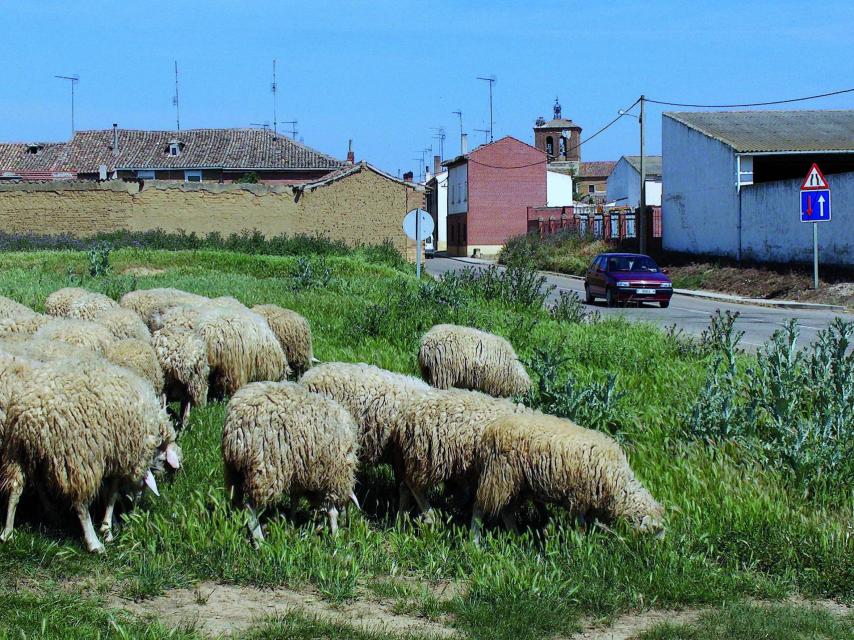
pixel 175 101
pixel 274 88
pixel 459 113
pixel 440 136
pixel 264 125
pixel 485 133
pixel 491 80
pixel 293 124
pixel 73 80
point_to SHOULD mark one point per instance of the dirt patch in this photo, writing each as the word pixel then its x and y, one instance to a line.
pixel 629 626
pixel 142 271
pixel 226 609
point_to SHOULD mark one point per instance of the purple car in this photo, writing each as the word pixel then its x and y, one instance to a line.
pixel 621 277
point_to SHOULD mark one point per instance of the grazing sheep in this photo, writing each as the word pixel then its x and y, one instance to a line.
pixel 138 356
pixel 23 325
pixel 280 439
pixel 241 347
pixel 554 460
pixel 42 349
pixel 11 309
pixel 81 333
pixel 373 396
pixel 123 324
pixel 89 306
pixel 455 356
pixel 183 358
pixel 293 332
pixel 59 302
pixel 148 302
pixel 79 424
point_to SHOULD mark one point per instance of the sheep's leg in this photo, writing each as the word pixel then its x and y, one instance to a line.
pixel 509 520
pixel 107 523
pixel 403 499
pixel 255 527
pixel 332 512
pixel 423 505
pixel 476 523
pixel 14 498
pixel 185 412
pixel 92 543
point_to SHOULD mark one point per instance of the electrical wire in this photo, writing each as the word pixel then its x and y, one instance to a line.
pixel 751 104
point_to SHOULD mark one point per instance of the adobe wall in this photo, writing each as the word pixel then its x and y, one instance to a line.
pixel 361 208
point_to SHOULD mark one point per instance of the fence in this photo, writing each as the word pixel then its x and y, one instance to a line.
pixel 616 225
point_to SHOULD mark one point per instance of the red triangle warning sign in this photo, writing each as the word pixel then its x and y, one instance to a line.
pixel 815 179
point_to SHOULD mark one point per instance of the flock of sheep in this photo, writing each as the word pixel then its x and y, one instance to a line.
pixel 85 393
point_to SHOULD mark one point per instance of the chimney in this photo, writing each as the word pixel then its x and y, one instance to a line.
pixel 464 143
pixel 437 165
pixel 351 157
pixel 407 177
pixel 115 139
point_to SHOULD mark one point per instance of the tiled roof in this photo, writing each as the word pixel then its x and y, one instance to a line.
pixel 349 170
pixel 651 164
pixel 774 131
pixel 211 148
pixel 17 157
pixel 558 123
pixel 596 169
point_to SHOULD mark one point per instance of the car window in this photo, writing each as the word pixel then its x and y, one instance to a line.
pixel 642 264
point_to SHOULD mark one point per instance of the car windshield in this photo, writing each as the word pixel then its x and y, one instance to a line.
pixel 632 263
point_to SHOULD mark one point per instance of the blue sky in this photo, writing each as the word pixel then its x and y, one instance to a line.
pixel 383 73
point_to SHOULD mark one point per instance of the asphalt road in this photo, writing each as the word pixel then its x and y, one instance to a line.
pixel 686 312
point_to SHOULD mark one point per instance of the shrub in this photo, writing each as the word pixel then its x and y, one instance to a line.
pixel 569 308
pixel 566 251
pixel 99 259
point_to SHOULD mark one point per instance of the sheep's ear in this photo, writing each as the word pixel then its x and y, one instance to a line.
pixel 172 457
pixel 355 501
pixel 151 483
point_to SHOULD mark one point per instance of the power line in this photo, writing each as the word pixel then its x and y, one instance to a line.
pixel 751 104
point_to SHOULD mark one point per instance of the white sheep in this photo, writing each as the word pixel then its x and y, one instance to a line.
pixel 373 396
pixel 76 425
pixel 241 348
pixel 81 333
pixel 138 356
pixel 293 332
pixel 149 302
pixel 23 325
pixel 553 460
pixel 183 358
pixel 438 436
pixel 59 302
pixel 280 439
pixel 455 356
pixel 11 309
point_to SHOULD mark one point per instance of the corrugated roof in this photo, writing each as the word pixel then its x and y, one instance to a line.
pixel 774 131
pixel 596 169
pixel 651 164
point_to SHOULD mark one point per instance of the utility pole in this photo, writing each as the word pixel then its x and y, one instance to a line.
pixel 175 101
pixel 491 81
pixel 642 213
pixel 460 115
pixel 274 88
pixel 73 80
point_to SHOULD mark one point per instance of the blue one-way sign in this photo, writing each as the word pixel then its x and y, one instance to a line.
pixel 815 205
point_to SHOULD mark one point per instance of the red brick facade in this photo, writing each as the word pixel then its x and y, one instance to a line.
pixel 504 179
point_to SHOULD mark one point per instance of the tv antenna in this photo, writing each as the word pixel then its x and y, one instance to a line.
pixel 73 80
pixel 264 125
pixel 175 101
pixel 274 88
pixel 459 114
pixel 440 136
pixel 491 80
pixel 293 124
pixel 486 133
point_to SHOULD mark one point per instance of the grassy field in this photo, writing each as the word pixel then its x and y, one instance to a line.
pixel 738 529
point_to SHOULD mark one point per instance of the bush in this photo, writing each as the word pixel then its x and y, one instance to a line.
pixel 99 259
pixel 569 308
pixel 566 251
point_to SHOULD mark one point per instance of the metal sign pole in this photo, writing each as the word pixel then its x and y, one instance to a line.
pixel 418 244
pixel 815 255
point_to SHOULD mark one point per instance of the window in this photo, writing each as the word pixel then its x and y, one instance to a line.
pixel 591 188
pixel 174 148
pixel 192 176
pixel 562 146
pixel 550 145
pixel 465 189
pixel 146 174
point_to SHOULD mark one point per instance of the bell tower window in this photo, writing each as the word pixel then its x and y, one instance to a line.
pixel 550 145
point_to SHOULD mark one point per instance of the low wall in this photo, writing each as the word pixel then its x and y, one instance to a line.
pixel 364 207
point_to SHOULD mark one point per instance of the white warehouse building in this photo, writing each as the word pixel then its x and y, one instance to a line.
pixel 624 182
pixel 731 183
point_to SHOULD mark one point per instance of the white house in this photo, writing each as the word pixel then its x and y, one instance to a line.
pixel 624 181
pixel 558 189
pixel 437 206
pixel 732 183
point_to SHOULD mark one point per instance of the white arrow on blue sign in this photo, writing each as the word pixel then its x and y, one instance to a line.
pixel 815 206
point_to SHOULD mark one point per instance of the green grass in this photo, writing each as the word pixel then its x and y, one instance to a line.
pixel 749 622
pixel 735 530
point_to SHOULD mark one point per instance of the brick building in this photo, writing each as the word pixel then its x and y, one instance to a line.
pixel 591 184
pixel 489 192
pixel 192 155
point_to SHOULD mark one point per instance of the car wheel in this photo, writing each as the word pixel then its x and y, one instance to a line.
pixel 610 298
pixel 664 304
pixel 588 297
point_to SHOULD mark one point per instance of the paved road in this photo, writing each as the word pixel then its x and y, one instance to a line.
pixel 686 312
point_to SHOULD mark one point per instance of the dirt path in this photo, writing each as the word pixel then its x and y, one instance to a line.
pixel 219 609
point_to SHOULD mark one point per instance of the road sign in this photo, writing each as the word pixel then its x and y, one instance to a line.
pixel 426 224
pixel 815 179
pixel 815 205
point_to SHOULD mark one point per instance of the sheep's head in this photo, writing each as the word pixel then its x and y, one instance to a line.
pixel 647 514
